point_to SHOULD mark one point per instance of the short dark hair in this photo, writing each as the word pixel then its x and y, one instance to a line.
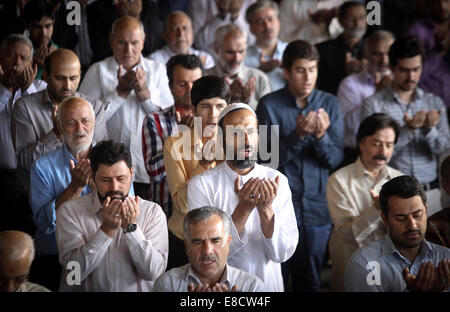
pixel 299 49
pixel 342 12
pixel 35 10
pixel 405 47
pixel 375 122
pixel 108 153
pixel 402 186
pixel 208 87
pixel 188 61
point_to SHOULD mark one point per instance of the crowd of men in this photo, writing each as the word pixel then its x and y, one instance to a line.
pixel 211 146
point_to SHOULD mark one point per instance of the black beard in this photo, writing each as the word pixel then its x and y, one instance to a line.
pixel 121 198
pixel 243 163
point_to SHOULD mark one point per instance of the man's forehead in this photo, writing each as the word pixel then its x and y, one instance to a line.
pixel 405 206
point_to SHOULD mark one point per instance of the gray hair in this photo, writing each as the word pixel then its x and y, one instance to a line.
pixel 123 18
pixel 378 35
pixel 223 31
pixel 13 244
pixel 259 5
pixel 63 104
pixel 13 38
pixel 202 214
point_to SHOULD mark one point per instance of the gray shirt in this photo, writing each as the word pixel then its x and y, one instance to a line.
pixel 178 279
pixel 416 151
pixel 378 266
pixel 32 133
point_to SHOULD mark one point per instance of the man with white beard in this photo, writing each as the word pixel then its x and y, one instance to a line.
pixel 247 84
pixel 60 176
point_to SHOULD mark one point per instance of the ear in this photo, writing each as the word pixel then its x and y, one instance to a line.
pixel 286 74
pixel 385 219
pixel 45 76
pixel 229 239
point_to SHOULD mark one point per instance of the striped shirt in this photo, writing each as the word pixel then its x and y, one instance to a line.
pixel 155 129
pixel 416 151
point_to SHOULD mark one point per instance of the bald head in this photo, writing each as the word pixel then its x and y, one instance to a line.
pixel 127 41
pixel 16 256
pixel 16 245
pixel 61 57
pixel 62 74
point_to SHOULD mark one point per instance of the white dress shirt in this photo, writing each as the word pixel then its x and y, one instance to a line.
pixel 178 279
pixel 127 262
pixel 7 99
pixel 262 83
pixel 251 251
pixel 125 116
pixel 356 220
pixel 164 54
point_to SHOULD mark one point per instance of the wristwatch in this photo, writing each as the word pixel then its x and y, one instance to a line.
pixel 131 228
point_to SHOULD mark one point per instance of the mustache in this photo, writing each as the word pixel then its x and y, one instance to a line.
pixel 411 232
pixel 208 258
pixel 79 134
pixel 380 157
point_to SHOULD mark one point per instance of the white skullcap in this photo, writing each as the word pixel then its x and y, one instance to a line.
pixel 233 107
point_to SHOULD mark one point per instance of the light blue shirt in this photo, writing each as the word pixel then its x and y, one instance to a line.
pixel 276 78
pixel 50 176
pixel 378 266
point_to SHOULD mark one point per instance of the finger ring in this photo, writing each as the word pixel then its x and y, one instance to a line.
pixel 252 196
pixel 116 215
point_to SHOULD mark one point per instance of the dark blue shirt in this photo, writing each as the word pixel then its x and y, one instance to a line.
pixel 306 162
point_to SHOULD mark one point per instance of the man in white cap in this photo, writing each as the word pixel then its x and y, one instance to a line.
pixel 258 199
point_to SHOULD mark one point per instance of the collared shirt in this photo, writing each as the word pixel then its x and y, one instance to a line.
pixel 275 76
pixel 416 151
pixel 305 162
pixel 332 62
pixel 251 251
pixel 438 228
pixel 178 280
pixel 356 220
pixel 351 94
pixel 32 129
pixel 181 165
pixel 262 83
pixel 381 263
pixel 125 116
pixel 8 155
pixel 156 128
pixel 206 19
pixel 49 177
pixel 295 22
pixel 164 54
pixel 127 262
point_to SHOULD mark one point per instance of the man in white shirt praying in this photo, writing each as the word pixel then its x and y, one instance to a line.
pixel 118 241
pixel 258 199
pixel 207 239
pixel 352 193
pixel 133 86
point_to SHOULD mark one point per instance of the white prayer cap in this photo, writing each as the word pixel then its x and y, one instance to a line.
pixel 233 107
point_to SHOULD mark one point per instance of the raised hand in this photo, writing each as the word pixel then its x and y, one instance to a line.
pixel 268 65
pixel 353 65
pixel 130 211
pixel 111 213
pixel 240 92
pixel 425 280
pixel 417 121
pixel 139 85
pixel 124 85
pixel 80 173
pixel 432 118
pixel 306 125
pixel 323 122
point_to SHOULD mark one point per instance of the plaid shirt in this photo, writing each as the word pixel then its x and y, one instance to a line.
pixel 155 129
pixel 416 152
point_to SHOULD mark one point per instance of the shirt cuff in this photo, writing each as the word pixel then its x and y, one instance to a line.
pixel 136 236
